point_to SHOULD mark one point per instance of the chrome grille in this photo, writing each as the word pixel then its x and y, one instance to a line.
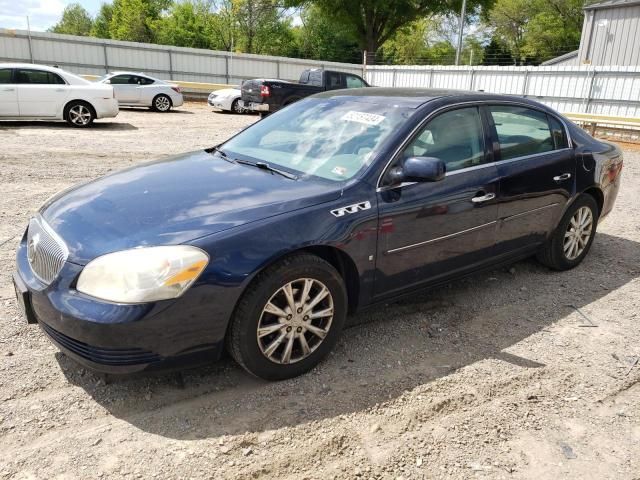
pixel 46 250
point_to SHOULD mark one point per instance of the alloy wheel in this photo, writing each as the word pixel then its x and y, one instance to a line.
pixel 295 321
pixel 162 103
pixel 237 108
pixel 79 115
pixel 578 233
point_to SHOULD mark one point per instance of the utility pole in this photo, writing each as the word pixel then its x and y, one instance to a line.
pixel 461 32
pixel 29 38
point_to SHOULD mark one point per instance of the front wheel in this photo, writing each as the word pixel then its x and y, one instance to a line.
pixel 572 240
pixel 162 103
pixel 289 318
pixel 79 114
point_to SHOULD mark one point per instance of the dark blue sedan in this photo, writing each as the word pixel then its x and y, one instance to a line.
pixel 262 245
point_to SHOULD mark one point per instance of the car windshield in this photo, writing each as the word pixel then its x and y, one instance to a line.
pixel 332 138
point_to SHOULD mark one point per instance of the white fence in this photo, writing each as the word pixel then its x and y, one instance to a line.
pixel 600 90
pixel 87 55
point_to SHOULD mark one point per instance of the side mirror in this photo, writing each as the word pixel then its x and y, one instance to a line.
pixel 418 169
pixel 108 82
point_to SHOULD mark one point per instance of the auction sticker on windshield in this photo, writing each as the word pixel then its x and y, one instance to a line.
pixel 361 117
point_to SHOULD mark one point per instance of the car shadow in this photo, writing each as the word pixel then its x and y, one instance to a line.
pixel 150 110
pixel 387 351
pixel 98 125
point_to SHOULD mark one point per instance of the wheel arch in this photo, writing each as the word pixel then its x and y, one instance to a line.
pixel 337 258
pixel 597 195
pixel 153 100
pixel 68 104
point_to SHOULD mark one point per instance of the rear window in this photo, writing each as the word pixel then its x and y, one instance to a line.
pixel 521 131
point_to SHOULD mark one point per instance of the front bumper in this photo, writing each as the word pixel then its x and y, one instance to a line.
pixel 117 338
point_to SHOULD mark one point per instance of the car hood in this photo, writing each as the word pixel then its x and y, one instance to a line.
pixel 173 201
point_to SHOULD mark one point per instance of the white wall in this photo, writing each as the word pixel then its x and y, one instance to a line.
pixel 87 55
pixel 602 90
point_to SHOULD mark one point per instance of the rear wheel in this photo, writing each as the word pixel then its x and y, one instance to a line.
pixel 572 240
pixel 161 103
pixel 289 318
pixel 79 114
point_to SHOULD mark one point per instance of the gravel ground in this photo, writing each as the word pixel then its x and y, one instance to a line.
pixel 496 376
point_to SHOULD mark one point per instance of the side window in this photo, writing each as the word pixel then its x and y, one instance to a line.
pixel 122 80
pixel 456 137
pixel 333 81
pixel 145 81
pixel 558 133
pixel 38 77
pixel 5 75
pixel 354 82
pixel 521 131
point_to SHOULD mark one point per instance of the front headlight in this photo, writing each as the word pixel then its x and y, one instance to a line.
pixel 143 274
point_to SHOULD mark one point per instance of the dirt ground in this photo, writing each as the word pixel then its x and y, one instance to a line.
pixel 496 376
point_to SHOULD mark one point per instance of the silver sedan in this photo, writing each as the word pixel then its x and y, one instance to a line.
pixel 140 90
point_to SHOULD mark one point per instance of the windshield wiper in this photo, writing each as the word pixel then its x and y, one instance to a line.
pixel 222 153
pixel 267 167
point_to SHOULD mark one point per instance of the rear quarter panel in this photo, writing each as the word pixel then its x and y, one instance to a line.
pixel 599 165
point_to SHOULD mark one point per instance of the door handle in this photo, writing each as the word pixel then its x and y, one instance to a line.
pixel 8 89
pixel 561 178
pixel 483 198
pixel 59 89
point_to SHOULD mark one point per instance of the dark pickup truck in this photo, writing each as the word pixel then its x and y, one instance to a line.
pixel 268 96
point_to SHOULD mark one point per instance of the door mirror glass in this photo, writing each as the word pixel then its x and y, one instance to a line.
pixel 418 169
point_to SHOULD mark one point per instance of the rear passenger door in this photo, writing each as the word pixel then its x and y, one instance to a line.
pixel 536 167
pixel 41 93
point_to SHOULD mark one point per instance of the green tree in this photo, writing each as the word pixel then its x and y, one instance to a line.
pixel 554 29
pixel 75 21
pixel 102 22
pixel 509 19
pixel 373 22
pixel 136 20
pixel 320 38
pixel 536 30
pixel 188 24
pixel 496 53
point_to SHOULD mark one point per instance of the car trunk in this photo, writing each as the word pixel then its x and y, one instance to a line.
pixel 251 91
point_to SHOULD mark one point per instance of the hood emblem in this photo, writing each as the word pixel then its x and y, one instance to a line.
pixel 356 207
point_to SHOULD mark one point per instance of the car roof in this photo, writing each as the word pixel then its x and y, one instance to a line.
pixel 416 97
pixel 32 66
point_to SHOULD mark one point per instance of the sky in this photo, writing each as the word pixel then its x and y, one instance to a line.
pixel 43 14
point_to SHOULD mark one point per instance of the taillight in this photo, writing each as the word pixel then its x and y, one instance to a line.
pixel 176 89
pixel 264 91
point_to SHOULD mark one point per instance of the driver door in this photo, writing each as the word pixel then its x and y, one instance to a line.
pixel 432 230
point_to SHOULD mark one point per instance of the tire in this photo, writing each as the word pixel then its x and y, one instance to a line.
pixel 161 103
pixel 257 354
pixel 563 250
pixel 79 114
pixel 236 108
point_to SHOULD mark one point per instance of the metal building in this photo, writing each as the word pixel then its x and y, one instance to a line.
pixel 610 35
